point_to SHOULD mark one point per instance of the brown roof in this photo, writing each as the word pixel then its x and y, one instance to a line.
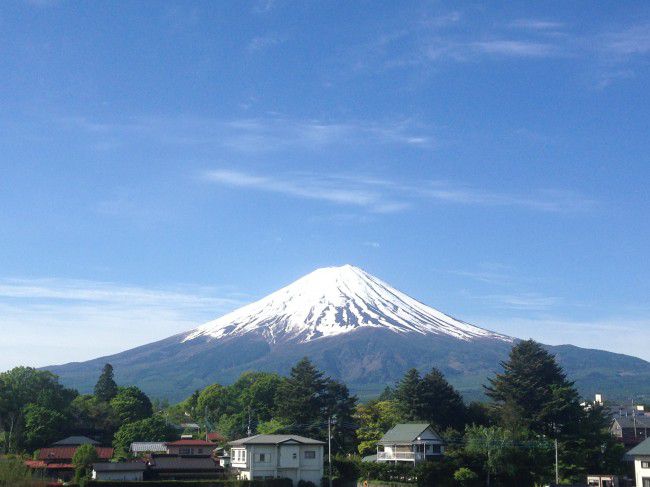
pixel 54 453
pixel 216 437
pixel 38 464
pixel 190 443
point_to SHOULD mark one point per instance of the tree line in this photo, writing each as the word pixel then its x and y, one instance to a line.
pixel 508 440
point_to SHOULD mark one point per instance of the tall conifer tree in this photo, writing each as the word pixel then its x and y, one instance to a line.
pixel 106 388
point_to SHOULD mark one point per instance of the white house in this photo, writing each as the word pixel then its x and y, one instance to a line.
pixel 641 456
pixel 278 456
pixel 410 442
pixel 124 471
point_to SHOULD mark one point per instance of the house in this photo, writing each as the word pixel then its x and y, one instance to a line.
pixel 139 448
pixel 603 481
pixel 190 447
pixel 631 430
pixel 179 467
pixel 56 461
pixel 215 437
pixel 410 442
pixel 277 456
pixel 641 456
pixel 124 471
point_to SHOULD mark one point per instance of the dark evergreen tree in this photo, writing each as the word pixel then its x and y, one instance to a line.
pixel 339 406
pixel 299 402
pixel 106 388
pixel 440 404
pixel 408 395
pixel 533 391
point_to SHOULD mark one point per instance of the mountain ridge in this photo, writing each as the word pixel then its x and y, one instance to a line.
pixel 356 328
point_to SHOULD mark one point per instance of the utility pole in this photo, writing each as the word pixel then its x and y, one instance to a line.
pixel 205 421
pixel 557 468
pixel 329 447
pixel 249 431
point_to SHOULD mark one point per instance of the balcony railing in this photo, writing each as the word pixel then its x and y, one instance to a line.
pixel 406 456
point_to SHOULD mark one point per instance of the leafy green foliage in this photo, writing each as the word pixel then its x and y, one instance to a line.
pixel 131 404
pixel 374 419
pixel 42 425
pixel 21 387
pixel 106 388
pixel 149 429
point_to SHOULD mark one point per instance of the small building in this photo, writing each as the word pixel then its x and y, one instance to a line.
pixel 56 461
pixel 631 430
pixel 603 481
pixel 277 456
pixel 410 442
pixel 179 467
pixel 139 448
pixel 641 456
pixel 190 447
pixel 124 471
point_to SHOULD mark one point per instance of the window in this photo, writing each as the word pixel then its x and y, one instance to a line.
pixel 646 482
pixel 310 454
pixel 294 455
pixel 261 457
pixel 200 450
pixel 645 464
pixel 185 451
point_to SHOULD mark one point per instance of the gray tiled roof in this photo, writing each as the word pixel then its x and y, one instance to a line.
pixel 76 441
pixel 275 440
pixel 119 467
pixel 148 447
pixel 642 448
pixel 404 432
pixel 629 421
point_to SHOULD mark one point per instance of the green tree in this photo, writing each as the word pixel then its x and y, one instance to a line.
pixel 374 419
pixel 214 401
pixel 83 460
pixel 22 386
pixel 131 404
pixel 154 428
pixel 465 477
pixel 92 417
pixel 299 400
pixel 440 404
pixel 42 425
pixel 106 388
pixel 533 391
pixel 408 395
pixel 493 445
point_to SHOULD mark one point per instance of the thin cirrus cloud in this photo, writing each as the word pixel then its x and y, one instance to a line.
pixel 255 134
pixel 64 313
pixel 385 196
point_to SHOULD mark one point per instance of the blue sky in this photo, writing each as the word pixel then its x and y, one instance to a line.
pixel 165 162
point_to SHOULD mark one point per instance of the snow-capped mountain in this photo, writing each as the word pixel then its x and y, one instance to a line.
pixel 332 301
pixel 354 327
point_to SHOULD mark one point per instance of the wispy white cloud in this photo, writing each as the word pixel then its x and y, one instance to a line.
pixel 622 334
pixel 520 301
pixel 388 196
pixel 82 319
pixel 309 187
pixel 537 24
pixel 516 48
pixel 257 134
pixel 261 43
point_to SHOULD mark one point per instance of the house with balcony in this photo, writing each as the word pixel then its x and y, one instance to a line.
pixel 410 442
pixel 277 456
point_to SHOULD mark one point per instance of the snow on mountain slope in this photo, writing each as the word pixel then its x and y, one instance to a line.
pixel 332 301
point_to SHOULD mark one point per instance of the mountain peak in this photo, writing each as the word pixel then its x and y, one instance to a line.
pixel 335 300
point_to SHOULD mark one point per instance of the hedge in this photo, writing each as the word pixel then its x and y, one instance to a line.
pixel 191 483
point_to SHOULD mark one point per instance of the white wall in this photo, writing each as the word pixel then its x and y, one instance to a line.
pixel 639 472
